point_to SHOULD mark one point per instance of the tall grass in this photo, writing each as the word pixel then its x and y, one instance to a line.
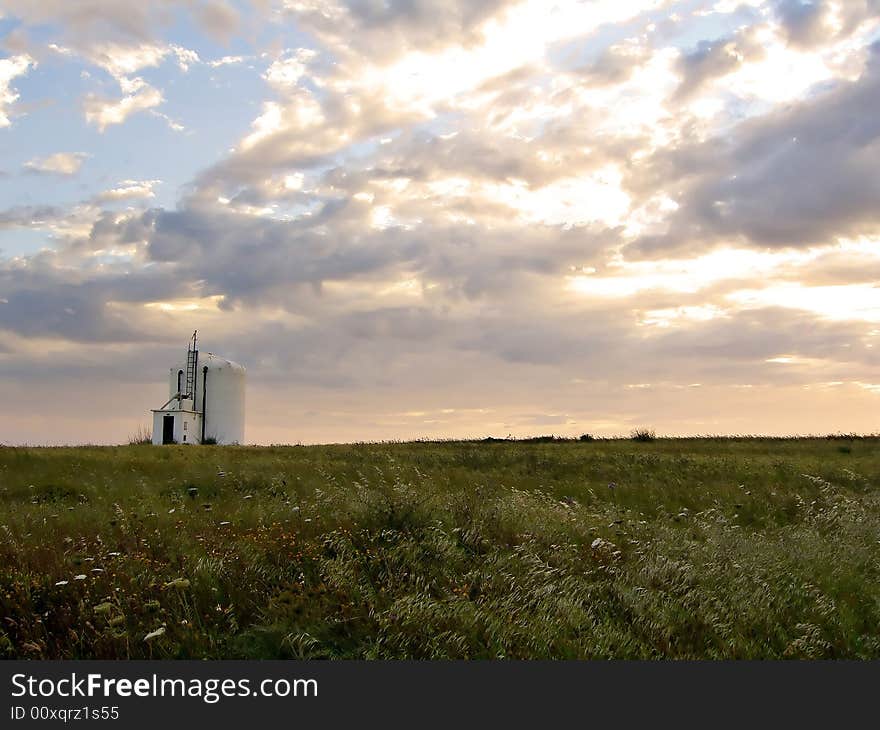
pixel 687 549
pixel 142 436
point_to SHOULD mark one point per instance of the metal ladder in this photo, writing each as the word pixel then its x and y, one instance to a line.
pixel 192 359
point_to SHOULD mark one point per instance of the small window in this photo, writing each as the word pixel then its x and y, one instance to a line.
pixel 184 438
pixel 184 425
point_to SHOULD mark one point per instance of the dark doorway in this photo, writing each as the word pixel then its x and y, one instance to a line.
pixel 168 430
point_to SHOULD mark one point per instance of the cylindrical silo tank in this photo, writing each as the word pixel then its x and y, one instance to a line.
pixel 219 394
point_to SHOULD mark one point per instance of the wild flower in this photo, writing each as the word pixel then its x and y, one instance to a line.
pixel 155 634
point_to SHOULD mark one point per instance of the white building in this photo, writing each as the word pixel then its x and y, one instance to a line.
pixel 206 401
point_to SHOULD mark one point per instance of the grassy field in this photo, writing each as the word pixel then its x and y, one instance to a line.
pixel 691 548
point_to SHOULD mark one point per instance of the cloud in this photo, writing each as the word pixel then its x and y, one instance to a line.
pixel 219 18
pixel 121 62
pixel 715 59
pixel 30 215
pixel 129 189
pixel 799 176
pixel 10 68
pixel 287 70
pixel 805 23
pixel 59 163
pixel 385 30
pixel 105 112
pixel 226 61
pixel 808 23
pixel 616 64
pixel 122 20
pixel 172 124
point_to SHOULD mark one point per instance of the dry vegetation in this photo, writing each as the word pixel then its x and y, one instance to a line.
pixel 739 548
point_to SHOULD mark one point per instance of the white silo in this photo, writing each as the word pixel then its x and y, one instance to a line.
pixel 206 401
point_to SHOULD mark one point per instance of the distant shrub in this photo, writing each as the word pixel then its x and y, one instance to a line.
pixel 210 441
pixel 142 436
pixel 528 440
pixel 643 434
pixel 586 437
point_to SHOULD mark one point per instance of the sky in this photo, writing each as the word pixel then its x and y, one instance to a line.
pixel 442 218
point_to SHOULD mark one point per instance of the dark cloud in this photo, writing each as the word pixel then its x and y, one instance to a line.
pixel 809 23
pixel 803 20
pixel 257 260
pixel 71 312
pixel 86 22
pixel 800 176
pixel 756 335
pixel 219 18
pixel 715 59
pixel 89 20
pixel 382 29
pixel 41 299
pixel 27 215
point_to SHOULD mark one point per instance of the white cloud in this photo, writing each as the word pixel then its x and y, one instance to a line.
pixel 269 122
pixel 130 189
pixel 172 123
pixel 60 163
pixel 289 69
pixel 226 61
pixel 105 112
pixel 9 69
pixel 185 57
pixel 730 6
pixel 121 62
pixel 419 80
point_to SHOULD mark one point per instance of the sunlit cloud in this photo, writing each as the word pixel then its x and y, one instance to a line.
pixel 59 163
pixel 845 302
pixel 10 68
pixel 106 112
pixel 130 189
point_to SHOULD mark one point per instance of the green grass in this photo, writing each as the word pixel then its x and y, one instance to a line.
pixel 702 548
